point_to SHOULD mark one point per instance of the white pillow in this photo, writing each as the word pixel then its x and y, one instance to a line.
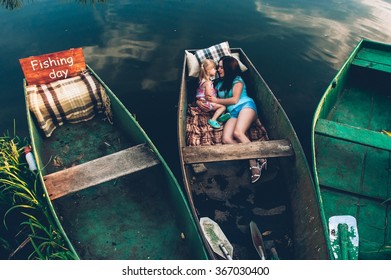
pixel 193 66
pixel 241 65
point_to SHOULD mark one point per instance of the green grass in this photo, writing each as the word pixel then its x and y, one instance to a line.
pixel 28 231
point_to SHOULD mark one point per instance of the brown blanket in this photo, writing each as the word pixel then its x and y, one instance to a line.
pixel 198 132
pixel 70 100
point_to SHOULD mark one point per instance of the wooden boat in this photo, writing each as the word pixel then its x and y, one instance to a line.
pixel 283 204
pixel 351 150
pixel 111 192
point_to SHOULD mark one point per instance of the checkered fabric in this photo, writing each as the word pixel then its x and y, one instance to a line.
pixel 198 132
pixel 214 52
pixel 70 100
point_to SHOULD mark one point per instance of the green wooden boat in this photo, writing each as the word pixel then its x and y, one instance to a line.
pixel 283 204
pixel 351 153
pixel 111 192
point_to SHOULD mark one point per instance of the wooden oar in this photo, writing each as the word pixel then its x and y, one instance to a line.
pixel 257 240
pixel 216 238
pixel 270 248
pixel 343 235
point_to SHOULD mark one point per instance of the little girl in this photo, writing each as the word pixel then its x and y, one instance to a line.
pixel 205 88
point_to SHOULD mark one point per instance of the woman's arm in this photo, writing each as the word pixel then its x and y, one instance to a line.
pixel 236 92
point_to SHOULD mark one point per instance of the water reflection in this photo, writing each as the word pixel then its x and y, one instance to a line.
pixel 14 4
pixel 10 4
pixel 124 41
pixel 121 42
pixel 90 1
pixel 338 25
pixel 137 47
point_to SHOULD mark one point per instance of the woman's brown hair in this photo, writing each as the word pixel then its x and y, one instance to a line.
pixel 231 71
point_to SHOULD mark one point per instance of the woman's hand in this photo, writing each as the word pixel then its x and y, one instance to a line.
pixel 211 98
pixel 236 93
pixel 203 106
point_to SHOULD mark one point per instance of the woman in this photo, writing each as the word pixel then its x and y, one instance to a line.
pixel 232 93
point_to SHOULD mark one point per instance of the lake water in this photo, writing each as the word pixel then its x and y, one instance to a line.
pixel 137 48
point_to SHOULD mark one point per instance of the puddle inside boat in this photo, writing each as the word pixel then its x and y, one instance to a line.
pixel 233 202
pixel 131 217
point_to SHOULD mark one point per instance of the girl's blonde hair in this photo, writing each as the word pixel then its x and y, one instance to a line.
pixel 205 65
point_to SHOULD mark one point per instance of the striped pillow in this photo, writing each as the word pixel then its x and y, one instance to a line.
pixel 214 52
pixel 70 100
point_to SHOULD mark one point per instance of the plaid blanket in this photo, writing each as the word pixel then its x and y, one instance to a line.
pixel 70 100
pixel 214 52
pixel 198 132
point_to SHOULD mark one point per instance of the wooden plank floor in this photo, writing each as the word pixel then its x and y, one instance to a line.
pixel 100 170
pixel 240 151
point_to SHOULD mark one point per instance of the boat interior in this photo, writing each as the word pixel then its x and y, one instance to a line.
pixel 221 189
pixel 354 156
pixel 113 196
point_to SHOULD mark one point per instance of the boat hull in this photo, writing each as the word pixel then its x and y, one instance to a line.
pixel 351 155
pixel 284 203
pixel 143 215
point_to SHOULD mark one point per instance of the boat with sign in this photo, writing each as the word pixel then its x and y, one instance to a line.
pixel 110 191
pixel 283 204
pixel 351 150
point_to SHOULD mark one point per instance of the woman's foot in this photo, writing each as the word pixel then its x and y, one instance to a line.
pixel 214 123
pixel 256 170
pixel 255 173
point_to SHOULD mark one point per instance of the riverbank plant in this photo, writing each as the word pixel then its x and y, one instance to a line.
pixel 28 229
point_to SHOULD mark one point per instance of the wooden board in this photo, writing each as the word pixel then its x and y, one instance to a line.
pixel 372 65
pixel 50 67
pixel 353 134
pixel 100 170
pixel 253 150
pixel 375 55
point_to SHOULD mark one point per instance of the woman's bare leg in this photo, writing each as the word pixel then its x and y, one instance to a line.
pixel 245 119
pixel 228 132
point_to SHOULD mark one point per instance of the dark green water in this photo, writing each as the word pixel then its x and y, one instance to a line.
pixel 137 48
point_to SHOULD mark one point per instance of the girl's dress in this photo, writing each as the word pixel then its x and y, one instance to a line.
pixel 206 105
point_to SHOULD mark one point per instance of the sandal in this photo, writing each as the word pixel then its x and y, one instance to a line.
pixel 214 123
pixel 224 117
pixel 255 177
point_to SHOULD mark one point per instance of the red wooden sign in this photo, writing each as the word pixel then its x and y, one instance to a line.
pixel 50 67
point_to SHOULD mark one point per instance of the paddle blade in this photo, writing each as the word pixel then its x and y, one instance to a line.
pixel 343 235
pixel 257 240
pixel 274 254
pixel 216 238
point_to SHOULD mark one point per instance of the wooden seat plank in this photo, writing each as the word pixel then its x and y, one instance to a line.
pixel 240 151
pixel 375 55
pixel 100 170
pixel 374 59
pixel 353 134
pixel 372 65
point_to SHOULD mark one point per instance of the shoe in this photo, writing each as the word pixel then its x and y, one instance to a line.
pixel 224 117
pixel 259 166
pixel 214 123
